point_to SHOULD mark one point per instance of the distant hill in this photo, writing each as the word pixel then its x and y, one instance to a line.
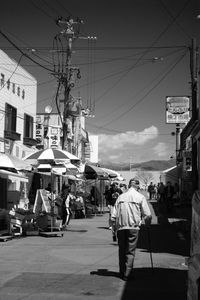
pixel 152 165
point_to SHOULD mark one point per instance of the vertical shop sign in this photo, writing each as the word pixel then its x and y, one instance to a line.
pixel 39 132
pixel 54 137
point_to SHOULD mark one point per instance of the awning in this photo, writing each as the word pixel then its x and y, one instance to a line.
pixel 110 173
pixel 94 172
pixel 113 174
pixel 13 176
pixel 20 164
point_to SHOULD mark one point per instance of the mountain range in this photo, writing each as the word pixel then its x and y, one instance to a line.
pixel 152 165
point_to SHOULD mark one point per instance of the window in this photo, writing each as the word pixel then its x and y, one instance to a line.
pixel 10 118
pixel 8 84
pixel 23 94
pixel 2 80
pixel 18 91
pixel 13 88
pixel 28 126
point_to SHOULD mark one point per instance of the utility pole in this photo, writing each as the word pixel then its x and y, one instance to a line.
pixel 194 77
pixel 66 74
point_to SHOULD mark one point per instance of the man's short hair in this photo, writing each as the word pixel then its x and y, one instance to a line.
pixel 134 181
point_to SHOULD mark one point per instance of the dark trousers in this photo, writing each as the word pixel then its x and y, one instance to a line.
pixel 127 241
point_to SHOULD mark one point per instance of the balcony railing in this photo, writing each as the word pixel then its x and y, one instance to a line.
pixel 29 141
pixel 12 135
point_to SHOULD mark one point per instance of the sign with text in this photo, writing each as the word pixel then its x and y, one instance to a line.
pixel 177 109
pixel 39 131
pixel 54 136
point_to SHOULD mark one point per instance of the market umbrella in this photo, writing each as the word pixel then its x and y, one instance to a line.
pixel 52 154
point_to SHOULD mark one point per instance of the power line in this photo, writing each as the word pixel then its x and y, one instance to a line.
pixel 42 10
pixel 136 95
pixel 175 21
pixel 145 52
pixel 26 55
pixel 12 72
pixel 103 48
pixel 141 99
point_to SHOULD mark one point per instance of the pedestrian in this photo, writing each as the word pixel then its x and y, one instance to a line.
pixel 67 197
pixel 150 190
pixel 123 187
pixel 130 209
pixel 113 194
pixel 169 193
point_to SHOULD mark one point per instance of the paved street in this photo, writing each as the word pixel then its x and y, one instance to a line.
pixel 84 263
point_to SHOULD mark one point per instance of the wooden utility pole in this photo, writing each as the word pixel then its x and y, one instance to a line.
pixel 194 76
pixel 194 79
pixel 66 76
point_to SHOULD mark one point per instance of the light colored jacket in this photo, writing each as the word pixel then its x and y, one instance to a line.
pixel 129 210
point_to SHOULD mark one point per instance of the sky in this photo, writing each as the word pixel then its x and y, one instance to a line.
pixel 137 53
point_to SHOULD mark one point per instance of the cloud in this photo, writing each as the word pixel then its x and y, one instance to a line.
pixel 129 138
pixel 119 147
pixel 161 149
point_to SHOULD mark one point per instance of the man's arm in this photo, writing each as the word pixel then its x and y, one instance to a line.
pixel 146 213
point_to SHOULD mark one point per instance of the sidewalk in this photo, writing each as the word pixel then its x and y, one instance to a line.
pixel 83 265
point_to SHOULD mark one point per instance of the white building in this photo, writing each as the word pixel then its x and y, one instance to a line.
pixel 18 100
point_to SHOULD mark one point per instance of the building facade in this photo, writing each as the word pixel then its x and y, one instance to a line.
pixel 18 99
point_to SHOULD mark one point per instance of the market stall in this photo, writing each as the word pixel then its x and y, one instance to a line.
pixel 95 178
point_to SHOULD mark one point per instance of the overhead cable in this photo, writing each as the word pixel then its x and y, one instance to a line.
pixel 25 54
pixel 142 98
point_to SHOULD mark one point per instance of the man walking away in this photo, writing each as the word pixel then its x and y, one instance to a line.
pixel 129 210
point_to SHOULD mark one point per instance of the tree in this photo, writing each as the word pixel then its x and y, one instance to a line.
pixel 144 177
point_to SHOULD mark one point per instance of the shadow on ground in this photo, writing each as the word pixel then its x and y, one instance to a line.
pixel 167 237
pixel 157 283
pixel 160 284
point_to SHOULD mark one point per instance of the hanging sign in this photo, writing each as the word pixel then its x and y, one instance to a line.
pixel 54 137
pixel 39 131
pixel 177 109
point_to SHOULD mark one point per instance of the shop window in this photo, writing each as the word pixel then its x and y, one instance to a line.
pixel 2 80
pixel 28 126
pixel 10 118
pixel 13 88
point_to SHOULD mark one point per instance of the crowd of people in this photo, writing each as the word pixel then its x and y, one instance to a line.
pixel 128 207
pixel 166 194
